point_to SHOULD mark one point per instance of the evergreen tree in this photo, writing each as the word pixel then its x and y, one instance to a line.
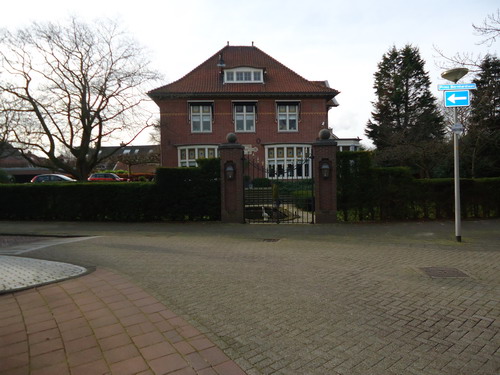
pixel 405 111
pixel 482 140
pixel 406 126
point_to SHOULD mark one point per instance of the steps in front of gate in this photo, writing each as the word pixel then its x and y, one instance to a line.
pixel 256 196
pixel 263 196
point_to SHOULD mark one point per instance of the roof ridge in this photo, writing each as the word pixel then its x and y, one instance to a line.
pixel 282 78
pixel 283 65
pixel 191 71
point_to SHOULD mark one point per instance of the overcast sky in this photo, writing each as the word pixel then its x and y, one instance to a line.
pixel 339 41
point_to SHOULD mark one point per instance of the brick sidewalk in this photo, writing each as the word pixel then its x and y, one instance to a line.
pixel 312 299
pixel 100 323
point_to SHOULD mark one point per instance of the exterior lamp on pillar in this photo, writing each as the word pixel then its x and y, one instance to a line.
pixel 229 171
pixel 325 169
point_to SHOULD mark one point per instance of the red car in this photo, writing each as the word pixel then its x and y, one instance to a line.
pixel 105 177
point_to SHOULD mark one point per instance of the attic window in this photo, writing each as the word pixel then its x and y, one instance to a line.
pixel 243 75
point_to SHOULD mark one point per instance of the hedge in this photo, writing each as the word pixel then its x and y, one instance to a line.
pixel 368 193
pixel 364 193
pixel 179 194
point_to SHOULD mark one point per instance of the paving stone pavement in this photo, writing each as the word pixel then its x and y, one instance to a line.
pixel 317 299
pixel 100 323
pixel 19 273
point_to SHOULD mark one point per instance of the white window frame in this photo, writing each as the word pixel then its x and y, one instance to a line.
pixel 244 75
pixel 246 116
pixel 292 161
pixel 187 155
pixel 203 116
pixel 287 116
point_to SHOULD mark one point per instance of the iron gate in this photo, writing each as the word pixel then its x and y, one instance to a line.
pixel 280 192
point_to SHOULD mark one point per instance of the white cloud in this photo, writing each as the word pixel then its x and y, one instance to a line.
pixel 340 41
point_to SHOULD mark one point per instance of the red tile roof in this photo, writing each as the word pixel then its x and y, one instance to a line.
pixel 207 78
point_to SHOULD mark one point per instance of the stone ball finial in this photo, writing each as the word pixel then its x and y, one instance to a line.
pixel 231 138
pixel 324 134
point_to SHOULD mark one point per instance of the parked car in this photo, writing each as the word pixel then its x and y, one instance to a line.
pixel 52 178
pixel 105 177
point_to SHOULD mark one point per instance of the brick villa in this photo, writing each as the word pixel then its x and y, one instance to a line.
pixel 275 113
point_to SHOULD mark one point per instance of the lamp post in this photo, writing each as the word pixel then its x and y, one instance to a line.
pixel 454 76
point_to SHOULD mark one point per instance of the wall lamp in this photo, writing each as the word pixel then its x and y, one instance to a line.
pixel 325 169
pixel 229 171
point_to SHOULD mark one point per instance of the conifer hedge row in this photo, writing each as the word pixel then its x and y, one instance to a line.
pixel 368 193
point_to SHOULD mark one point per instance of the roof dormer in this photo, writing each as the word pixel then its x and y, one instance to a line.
pixel 244 75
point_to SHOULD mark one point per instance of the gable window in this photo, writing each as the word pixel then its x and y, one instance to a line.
pixel 288 117
pixel 243 75
pixel 244 117
pixel 189 154
pixel 201 117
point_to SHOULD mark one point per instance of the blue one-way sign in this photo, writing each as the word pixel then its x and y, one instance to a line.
pixel 457 98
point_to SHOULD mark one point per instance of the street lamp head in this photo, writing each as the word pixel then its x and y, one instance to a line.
pixel 454 75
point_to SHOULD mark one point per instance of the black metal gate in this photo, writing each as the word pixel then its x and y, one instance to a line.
pixel 280 192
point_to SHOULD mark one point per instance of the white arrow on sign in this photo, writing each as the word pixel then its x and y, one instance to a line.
pixel 452 98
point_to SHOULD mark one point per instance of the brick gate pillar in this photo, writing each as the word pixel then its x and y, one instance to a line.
pixel 325 178
pixel 232 204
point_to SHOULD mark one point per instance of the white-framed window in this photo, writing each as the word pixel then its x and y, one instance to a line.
pixel 288 160
pixel 244 116
pixel 288 117
pixel 187 155
pixel 200 115
pixel 243 75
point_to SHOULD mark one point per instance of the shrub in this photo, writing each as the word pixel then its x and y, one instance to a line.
pixel 261 182
pixel 303 199
pixel 5 178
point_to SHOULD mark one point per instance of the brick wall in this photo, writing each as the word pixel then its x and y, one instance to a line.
pixel 176 129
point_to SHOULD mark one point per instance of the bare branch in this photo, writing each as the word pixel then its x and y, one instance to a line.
pixel 73 86
pixel 489 29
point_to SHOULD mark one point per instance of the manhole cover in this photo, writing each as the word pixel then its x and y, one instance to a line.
pixel 271 239
pixel 443 272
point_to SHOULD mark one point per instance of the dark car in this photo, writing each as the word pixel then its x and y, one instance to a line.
pixel 105 177
pixel 52 178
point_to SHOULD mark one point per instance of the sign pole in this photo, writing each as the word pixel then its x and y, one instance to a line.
pixel 458 219
pixel 451 98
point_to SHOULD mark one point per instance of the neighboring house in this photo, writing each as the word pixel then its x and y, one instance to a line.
pixel 275 113
pixel 347 144
pixel 134 159
pixel 18 167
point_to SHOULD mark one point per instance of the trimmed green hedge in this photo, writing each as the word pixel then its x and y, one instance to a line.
pixel 367 193
pixel 179 194
pixel 190 193
pixel 364 193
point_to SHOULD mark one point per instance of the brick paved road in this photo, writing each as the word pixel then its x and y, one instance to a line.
pixel 341 299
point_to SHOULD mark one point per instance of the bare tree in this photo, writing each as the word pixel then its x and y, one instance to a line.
pixel 155 135
pixel 131 160
pixel 489 29
pixel 5 148
pixel 70 87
